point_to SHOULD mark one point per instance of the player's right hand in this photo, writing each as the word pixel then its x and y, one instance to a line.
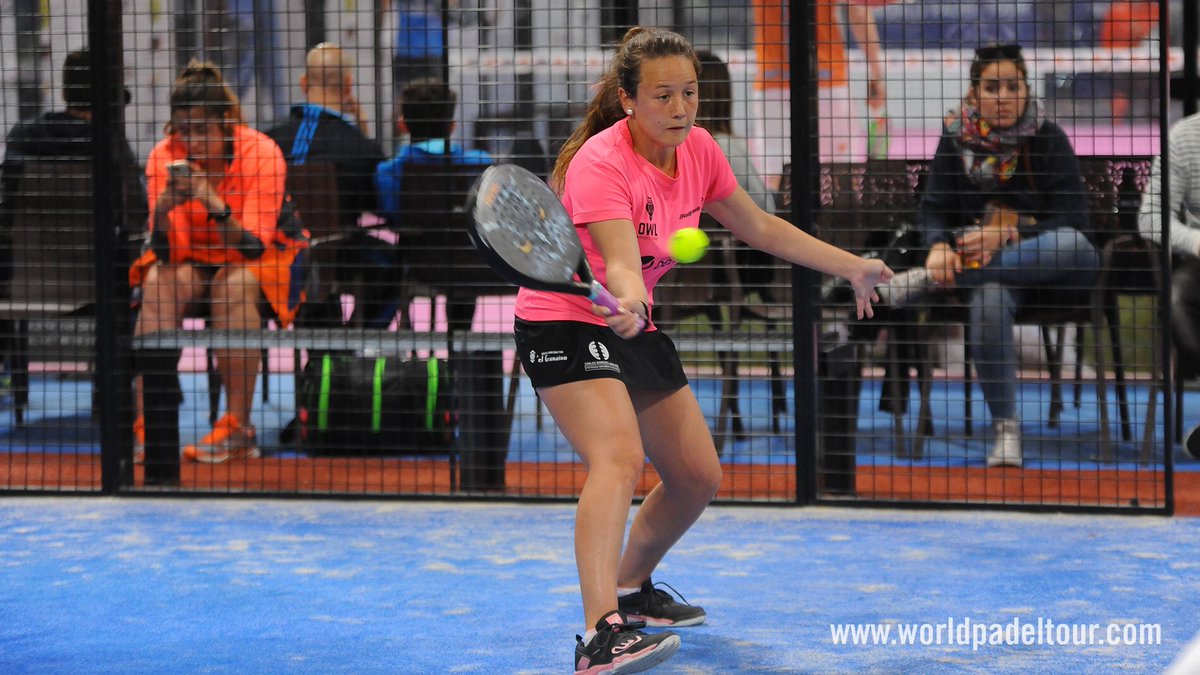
pixel 626 323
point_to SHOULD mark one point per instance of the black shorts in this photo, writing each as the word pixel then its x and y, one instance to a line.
pixel 557 352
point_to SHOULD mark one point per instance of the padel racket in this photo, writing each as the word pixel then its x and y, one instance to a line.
pixel 526 236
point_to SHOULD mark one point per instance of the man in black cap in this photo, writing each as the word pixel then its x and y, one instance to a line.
pixel 64 134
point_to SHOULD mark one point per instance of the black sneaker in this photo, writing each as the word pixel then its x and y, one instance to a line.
pixel 619 647
pixel 657 608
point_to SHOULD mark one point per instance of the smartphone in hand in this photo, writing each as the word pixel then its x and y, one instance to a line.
pixel 179 169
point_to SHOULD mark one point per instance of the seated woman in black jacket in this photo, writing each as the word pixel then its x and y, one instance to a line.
pixel 1003 214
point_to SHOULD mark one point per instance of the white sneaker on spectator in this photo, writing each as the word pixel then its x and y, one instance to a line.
pixel 905 287
pixel 1007 448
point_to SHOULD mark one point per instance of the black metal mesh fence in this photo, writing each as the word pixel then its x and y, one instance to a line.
pixel 333 331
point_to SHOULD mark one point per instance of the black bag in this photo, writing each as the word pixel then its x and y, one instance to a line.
pixel 356 405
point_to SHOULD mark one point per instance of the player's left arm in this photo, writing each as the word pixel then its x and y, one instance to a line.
pixel 772 234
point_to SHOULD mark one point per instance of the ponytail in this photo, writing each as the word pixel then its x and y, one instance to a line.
pixel 603 112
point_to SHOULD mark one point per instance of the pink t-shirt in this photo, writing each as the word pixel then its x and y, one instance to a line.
pixel 608 180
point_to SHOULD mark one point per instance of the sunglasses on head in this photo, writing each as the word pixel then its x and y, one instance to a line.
pixel 998 52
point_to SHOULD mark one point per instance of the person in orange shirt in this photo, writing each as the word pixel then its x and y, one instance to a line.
pixel 840 121
pixel 216 189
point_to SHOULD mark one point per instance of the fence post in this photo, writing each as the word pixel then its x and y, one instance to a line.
pixel 804 187
pixel 113 380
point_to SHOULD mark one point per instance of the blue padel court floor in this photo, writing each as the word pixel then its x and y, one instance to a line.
pixel 131 585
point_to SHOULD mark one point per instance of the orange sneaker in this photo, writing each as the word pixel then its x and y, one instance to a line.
pixel 227 441
pixel 139 440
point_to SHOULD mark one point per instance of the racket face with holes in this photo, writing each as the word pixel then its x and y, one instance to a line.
pixel 524 232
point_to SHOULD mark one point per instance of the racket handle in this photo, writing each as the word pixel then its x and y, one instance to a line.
pixel 602 297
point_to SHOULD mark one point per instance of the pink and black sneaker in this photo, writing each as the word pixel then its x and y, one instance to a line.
pixel 620 647
pixel 658 609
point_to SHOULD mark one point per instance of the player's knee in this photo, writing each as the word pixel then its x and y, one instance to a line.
pixel 624 468
pixel 708 481
pixel 699 484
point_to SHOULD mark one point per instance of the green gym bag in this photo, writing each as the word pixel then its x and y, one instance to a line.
pixel 357 405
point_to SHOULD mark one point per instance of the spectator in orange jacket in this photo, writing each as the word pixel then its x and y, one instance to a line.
pixel 216 188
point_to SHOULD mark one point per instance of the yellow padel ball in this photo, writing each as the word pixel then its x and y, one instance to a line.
pixel 688 244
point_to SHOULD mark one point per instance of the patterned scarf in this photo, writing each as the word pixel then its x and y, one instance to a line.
pixel 990 155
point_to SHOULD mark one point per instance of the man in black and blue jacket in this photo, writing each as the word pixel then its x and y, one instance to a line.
pixel 327 128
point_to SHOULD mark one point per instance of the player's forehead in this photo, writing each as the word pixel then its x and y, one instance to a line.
pixel 667 72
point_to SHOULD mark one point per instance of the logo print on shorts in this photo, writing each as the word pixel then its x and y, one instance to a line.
pixel 533 356
pixel 598 350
